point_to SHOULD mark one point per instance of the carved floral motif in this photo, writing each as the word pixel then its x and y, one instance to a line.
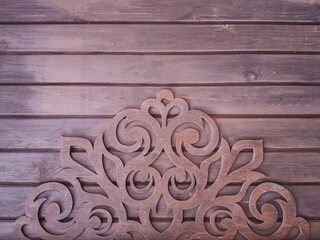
pixel 122 194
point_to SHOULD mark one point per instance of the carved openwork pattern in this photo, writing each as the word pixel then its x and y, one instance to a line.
pixel 122 191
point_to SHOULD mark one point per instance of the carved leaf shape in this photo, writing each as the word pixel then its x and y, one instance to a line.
pixel 162 210
pixel 244 175
pixel 92 166
pixel 82 165
pixel 93 188
pixel 256 146
pixel 107 164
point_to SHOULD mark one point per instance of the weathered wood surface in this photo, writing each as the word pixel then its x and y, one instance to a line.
pixel 108 100
pixel 139 38
pixel 148 51
pixel 36 167
pixel 7 231
pixel 160 69
pixel 16 196
pixel 277 133
pixel 159 11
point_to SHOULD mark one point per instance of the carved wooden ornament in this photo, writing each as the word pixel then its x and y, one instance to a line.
pixel 161 176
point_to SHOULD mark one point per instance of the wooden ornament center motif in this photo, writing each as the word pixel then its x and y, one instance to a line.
pixel 161 172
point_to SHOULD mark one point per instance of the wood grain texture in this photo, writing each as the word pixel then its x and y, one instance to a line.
pixel 160 69
pixel 39 167
pixel 108 100
pixel 158 11
pixel 15 197
pixel 67 67
pixel 277 133
pixel 7 230
pixel 139 38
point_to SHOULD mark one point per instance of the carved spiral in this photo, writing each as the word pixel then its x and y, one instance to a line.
pixel 101 218
pixel 139 127
pixel 268 213
pixel 221 222
pixel 189 137
pixel 42 203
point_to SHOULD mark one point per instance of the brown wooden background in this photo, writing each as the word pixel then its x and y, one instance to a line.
pixel 67 66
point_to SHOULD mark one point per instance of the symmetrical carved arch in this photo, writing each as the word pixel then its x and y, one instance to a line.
pixel 120 191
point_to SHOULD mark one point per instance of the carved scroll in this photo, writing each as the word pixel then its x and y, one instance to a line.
pixel 122 191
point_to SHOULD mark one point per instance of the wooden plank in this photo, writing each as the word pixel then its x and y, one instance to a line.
pixel 159 69
pixel 158 11
pixel 15 197
pixel 277 133
pixel 141 38
pixel 37 167
pixel 29 167
pixel 7 230
pixel 109 100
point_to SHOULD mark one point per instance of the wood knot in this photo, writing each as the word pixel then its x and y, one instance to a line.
pixel 250 75
pixel 3 44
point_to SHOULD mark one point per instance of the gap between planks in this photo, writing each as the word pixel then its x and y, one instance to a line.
pixel 189 52
pixel 229 84
pixel 158 22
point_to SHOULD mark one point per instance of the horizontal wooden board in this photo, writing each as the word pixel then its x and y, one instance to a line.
pixel 109 100
pixel 16 196
pixel 37 167
pixel 151 11
pixel 159 69
pixel 70 79
pixel 7 230
pixel 277 133
pixel 159 38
